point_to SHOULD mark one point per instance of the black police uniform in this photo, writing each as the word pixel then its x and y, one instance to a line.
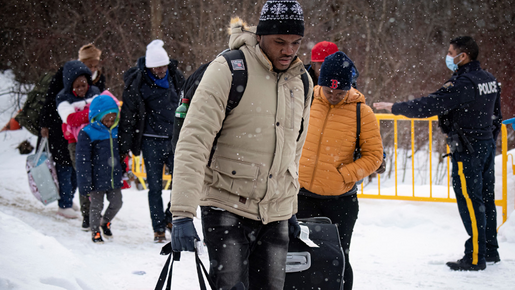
pixel 469 112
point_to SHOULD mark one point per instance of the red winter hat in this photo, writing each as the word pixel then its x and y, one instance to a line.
pixel 321 50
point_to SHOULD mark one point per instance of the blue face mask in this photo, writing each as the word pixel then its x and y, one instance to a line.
pixel 449 61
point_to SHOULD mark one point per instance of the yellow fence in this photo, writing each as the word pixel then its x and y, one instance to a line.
pixel 138 169
pixel 414 197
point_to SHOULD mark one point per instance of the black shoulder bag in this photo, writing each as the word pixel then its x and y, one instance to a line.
pixel 357 150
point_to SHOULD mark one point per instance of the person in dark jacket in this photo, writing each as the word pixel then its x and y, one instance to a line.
pixel 51 123
pixel 469 112
pixel 99 172
pixel 150 98
pixel 73 106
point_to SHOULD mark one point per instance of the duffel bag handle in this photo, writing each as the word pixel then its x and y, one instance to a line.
pixel 43 144
pixel 176 256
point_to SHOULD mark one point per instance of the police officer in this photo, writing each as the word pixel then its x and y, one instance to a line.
pixel 469 112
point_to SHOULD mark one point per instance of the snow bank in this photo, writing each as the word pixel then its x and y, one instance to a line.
pixel 34 261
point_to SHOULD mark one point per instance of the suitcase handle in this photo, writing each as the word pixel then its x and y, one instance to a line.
pixel 317 220
pixel 298 262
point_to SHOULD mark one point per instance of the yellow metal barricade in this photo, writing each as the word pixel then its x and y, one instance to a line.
pixel 138 169
pixel 414 197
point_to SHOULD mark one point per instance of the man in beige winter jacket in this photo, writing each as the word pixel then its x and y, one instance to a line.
pixel 248 191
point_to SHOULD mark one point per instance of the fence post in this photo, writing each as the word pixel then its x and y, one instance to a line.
pixel 504 173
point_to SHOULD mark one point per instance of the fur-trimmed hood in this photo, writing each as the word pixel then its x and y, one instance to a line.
pixel 241 34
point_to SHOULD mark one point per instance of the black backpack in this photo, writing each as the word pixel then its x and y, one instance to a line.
pixel 238 66
pixel 28 117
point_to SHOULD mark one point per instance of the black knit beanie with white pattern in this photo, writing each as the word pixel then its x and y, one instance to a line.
pixel 281 17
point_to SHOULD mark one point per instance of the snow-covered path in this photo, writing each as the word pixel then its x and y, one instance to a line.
pixel 396 244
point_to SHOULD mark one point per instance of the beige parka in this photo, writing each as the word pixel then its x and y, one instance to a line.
pixel 254 170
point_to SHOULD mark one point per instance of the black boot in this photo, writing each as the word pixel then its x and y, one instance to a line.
pixel 107 230
pixel 85 223
pixel 466 265
pixel 492 259
pixel 97 238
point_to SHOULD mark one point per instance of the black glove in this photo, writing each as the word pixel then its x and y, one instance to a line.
pixel 382 167
pixel 293 227
pixel 184 235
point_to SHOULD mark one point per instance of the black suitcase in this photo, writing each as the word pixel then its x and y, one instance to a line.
pixel 311 267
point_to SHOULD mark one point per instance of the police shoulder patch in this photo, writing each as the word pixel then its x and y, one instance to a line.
pixel 448 85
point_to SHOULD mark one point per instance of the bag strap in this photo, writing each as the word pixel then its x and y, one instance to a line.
pixel 358 128
pixel 47 149
pixel 305 83
pixel 238 66
pixel 43 144
pixel 168 269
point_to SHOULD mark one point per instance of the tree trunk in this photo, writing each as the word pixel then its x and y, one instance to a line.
pixel 156 18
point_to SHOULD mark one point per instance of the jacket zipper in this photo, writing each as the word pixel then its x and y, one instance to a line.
pixel 292 109
pixel 112 158
pixel 318 150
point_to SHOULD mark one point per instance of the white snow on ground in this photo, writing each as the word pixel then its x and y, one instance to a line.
pixel 396 244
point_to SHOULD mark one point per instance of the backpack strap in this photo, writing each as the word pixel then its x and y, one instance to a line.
pixel 305 83
pixel 238 66
pixel 357 151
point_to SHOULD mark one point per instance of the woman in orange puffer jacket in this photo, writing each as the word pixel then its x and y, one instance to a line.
pixel 327 171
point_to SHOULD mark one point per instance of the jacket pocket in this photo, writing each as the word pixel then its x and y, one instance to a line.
pixel 284 203
pixel 234 176
pixel 292 169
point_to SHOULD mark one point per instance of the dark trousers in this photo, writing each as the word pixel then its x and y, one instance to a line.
pixel 156 153
pixel 83 199
pixel 245 250
pixel 473 180
pixel 343 211
pixel 67 178
pixel 97 205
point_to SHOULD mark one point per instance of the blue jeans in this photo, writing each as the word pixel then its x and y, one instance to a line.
pixel 245 250
pixel 67 184
pixel 156 153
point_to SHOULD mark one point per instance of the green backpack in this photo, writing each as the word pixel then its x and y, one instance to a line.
pixel 28 117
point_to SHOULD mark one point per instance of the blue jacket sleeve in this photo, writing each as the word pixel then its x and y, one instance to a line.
pixel 84 164
pixel 450 96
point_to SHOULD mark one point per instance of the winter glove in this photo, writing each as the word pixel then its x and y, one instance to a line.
pixel 382 167
pixel 293 227
pixel 184 235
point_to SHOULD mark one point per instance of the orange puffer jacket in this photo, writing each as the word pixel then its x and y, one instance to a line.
pixel 327 166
